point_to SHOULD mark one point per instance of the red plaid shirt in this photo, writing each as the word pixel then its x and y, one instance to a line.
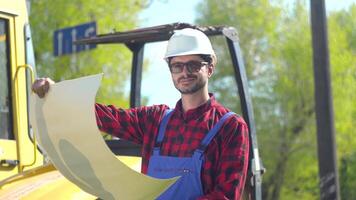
pixel 226 157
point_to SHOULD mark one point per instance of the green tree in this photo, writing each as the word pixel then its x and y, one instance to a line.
pixel 113 60
pixel 279 86
pixel 342 34
pixel 276 42
pixel 282 94
pixel 294 171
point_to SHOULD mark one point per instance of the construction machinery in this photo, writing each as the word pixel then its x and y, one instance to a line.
pixel 24 171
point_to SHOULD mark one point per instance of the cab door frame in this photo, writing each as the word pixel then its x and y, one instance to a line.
pixel 8 146
pixel 20 153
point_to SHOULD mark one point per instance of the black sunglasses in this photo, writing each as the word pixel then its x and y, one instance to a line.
pixel 192 66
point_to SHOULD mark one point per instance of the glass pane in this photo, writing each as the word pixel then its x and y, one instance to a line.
pixel 223 83
pixel 157 85
pixel 5 101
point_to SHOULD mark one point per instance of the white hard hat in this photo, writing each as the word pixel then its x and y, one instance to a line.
pixel 188 41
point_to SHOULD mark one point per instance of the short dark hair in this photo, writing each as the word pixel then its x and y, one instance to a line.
pixel 206 58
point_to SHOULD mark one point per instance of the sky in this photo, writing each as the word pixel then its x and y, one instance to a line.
pixel 338 4
pixel 157 85
pixel 156 82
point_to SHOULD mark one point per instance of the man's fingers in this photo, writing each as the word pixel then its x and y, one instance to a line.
pixel 45 87
pixel 50 81
pixel 40 93
pixel 35 85
pixel 41 86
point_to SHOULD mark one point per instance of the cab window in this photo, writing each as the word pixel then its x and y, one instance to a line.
pixel 5 101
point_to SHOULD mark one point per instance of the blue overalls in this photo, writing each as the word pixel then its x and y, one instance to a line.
pixel 188 186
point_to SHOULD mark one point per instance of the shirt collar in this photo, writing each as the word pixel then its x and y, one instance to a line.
pixel 195 113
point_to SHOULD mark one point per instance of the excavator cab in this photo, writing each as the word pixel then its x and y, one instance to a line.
pixel 18 151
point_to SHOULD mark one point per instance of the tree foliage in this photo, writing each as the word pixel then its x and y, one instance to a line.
pixel 342 34
pixel 276 42
pixel 113 60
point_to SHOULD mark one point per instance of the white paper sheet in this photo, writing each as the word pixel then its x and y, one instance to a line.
pixel 65 124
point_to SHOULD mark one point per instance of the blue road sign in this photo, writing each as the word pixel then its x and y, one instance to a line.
pixel 63 38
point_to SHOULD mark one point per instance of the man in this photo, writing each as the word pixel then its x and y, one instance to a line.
pixel 199 140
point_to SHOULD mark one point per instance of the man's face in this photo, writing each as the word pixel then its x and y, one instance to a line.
pixel 189 81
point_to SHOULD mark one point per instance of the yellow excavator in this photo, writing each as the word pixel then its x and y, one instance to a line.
pixel 25 172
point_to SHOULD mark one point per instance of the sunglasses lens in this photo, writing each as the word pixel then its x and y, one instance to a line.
pixel 192 66
pixel 176 67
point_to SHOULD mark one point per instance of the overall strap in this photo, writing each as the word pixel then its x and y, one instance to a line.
pixel 206 141
pixel 162 130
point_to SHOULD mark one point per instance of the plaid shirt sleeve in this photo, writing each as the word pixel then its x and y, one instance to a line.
pixel 232 163
pixel 128 124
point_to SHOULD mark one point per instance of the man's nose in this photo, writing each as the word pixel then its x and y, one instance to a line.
pixel 185 70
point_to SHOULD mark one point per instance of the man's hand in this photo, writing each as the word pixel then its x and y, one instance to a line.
pixel 41 86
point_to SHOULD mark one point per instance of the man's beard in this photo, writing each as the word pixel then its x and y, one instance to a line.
pixel 194 88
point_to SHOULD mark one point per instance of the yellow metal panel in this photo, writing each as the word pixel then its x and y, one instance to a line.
pixel 8 148
pixel 15 13
pixel 59 189
pixel 27 174
pixel 25 146
pixel 49 185
pixel 46 182
pixel 7 151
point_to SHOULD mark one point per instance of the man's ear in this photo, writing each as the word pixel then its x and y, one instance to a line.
pixel 211 69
